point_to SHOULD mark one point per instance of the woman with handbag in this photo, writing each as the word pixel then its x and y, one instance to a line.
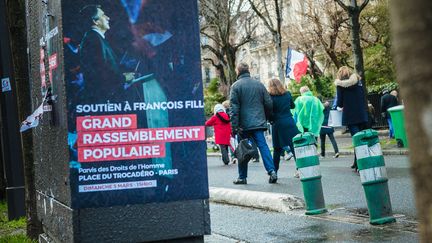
pixel 283 125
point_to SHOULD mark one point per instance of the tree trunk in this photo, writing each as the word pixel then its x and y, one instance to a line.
pixel 16 14
pixel 355 41
pixel 280 67
pixel 412 46
pixel 231 62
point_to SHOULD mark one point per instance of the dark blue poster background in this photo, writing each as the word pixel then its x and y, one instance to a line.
pixel 142 58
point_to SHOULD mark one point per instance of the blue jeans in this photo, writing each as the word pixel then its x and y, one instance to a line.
pixel 391 131
pixel 258 137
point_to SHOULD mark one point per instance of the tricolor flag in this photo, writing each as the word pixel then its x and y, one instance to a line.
pixel 296 65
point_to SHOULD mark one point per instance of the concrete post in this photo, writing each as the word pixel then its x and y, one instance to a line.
pixel 120 151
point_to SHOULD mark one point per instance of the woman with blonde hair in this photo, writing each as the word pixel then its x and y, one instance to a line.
pixel 351 99
pixel 283 125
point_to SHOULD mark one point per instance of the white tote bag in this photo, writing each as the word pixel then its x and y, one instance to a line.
pixel 335 118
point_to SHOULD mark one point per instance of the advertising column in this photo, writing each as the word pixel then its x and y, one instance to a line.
pixel 135 102
pixel 135 121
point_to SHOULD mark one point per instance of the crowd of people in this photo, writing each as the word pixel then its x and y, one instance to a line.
pixel 252 105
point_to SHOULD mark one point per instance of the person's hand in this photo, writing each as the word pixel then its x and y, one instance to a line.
pixel 339 108
pixel 129 76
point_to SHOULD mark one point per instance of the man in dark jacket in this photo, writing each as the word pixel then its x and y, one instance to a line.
pixel 389 100
pixel 103 79
pixel 251 105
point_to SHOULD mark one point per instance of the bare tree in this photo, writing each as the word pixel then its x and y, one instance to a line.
pixel 227 26
pixel 412 45
pixel 325 32
pixel 270 13
pixel 353 10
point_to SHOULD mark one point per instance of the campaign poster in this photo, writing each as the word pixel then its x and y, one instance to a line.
pixel 135 102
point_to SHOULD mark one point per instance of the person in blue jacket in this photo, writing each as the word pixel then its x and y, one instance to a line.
pixel 351 99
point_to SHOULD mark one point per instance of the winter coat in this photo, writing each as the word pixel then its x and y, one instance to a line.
pixel 283 127
pixel 388 101
pixel 309 113
pixel 351 97
pixel 222 127
pixel 251 104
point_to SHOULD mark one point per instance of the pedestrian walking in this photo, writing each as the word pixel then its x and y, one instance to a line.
pixel 226 104
pixel 327 131
pixel 222 130
pixel 309 112
pixel 283 125
pixel 351 100
pixel 389 100
pixel 371 115
pixel 251 105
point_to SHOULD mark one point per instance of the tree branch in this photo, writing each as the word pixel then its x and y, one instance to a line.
pixel 262 17
pixel 340 3
pixel 363 5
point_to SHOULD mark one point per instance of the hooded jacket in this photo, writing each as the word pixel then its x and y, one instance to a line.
pixel 351 97
pixel 222 126
pixel 309 113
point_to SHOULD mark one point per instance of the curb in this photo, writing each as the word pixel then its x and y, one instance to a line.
pixel 343 152
pixel 278 202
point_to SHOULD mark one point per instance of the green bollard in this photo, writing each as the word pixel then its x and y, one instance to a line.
pixel 373 176
pixel 308 166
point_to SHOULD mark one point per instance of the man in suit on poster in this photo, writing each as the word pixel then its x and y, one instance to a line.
pixel 99 64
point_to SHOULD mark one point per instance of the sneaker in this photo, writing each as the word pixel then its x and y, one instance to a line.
pixel 256 161
pixel 234 160
pixel 336 155
pixel 296 174
pixel 239 181
pixel 273 177
pixel 288 156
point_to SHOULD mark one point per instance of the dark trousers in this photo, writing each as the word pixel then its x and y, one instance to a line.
pixel 332 140
pixel 224 152
pixel 278 152
pixel 259 138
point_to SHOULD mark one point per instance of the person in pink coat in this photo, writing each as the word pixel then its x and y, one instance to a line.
pixel 222 130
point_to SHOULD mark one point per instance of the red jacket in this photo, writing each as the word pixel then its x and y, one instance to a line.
pixel 222 129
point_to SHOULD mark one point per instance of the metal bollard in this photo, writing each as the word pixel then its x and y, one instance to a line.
pixel 308 166
pixel 373 176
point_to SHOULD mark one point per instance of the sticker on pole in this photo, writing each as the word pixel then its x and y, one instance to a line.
pixel 6 85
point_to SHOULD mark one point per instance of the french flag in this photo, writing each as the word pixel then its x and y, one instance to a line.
pixel 296 65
